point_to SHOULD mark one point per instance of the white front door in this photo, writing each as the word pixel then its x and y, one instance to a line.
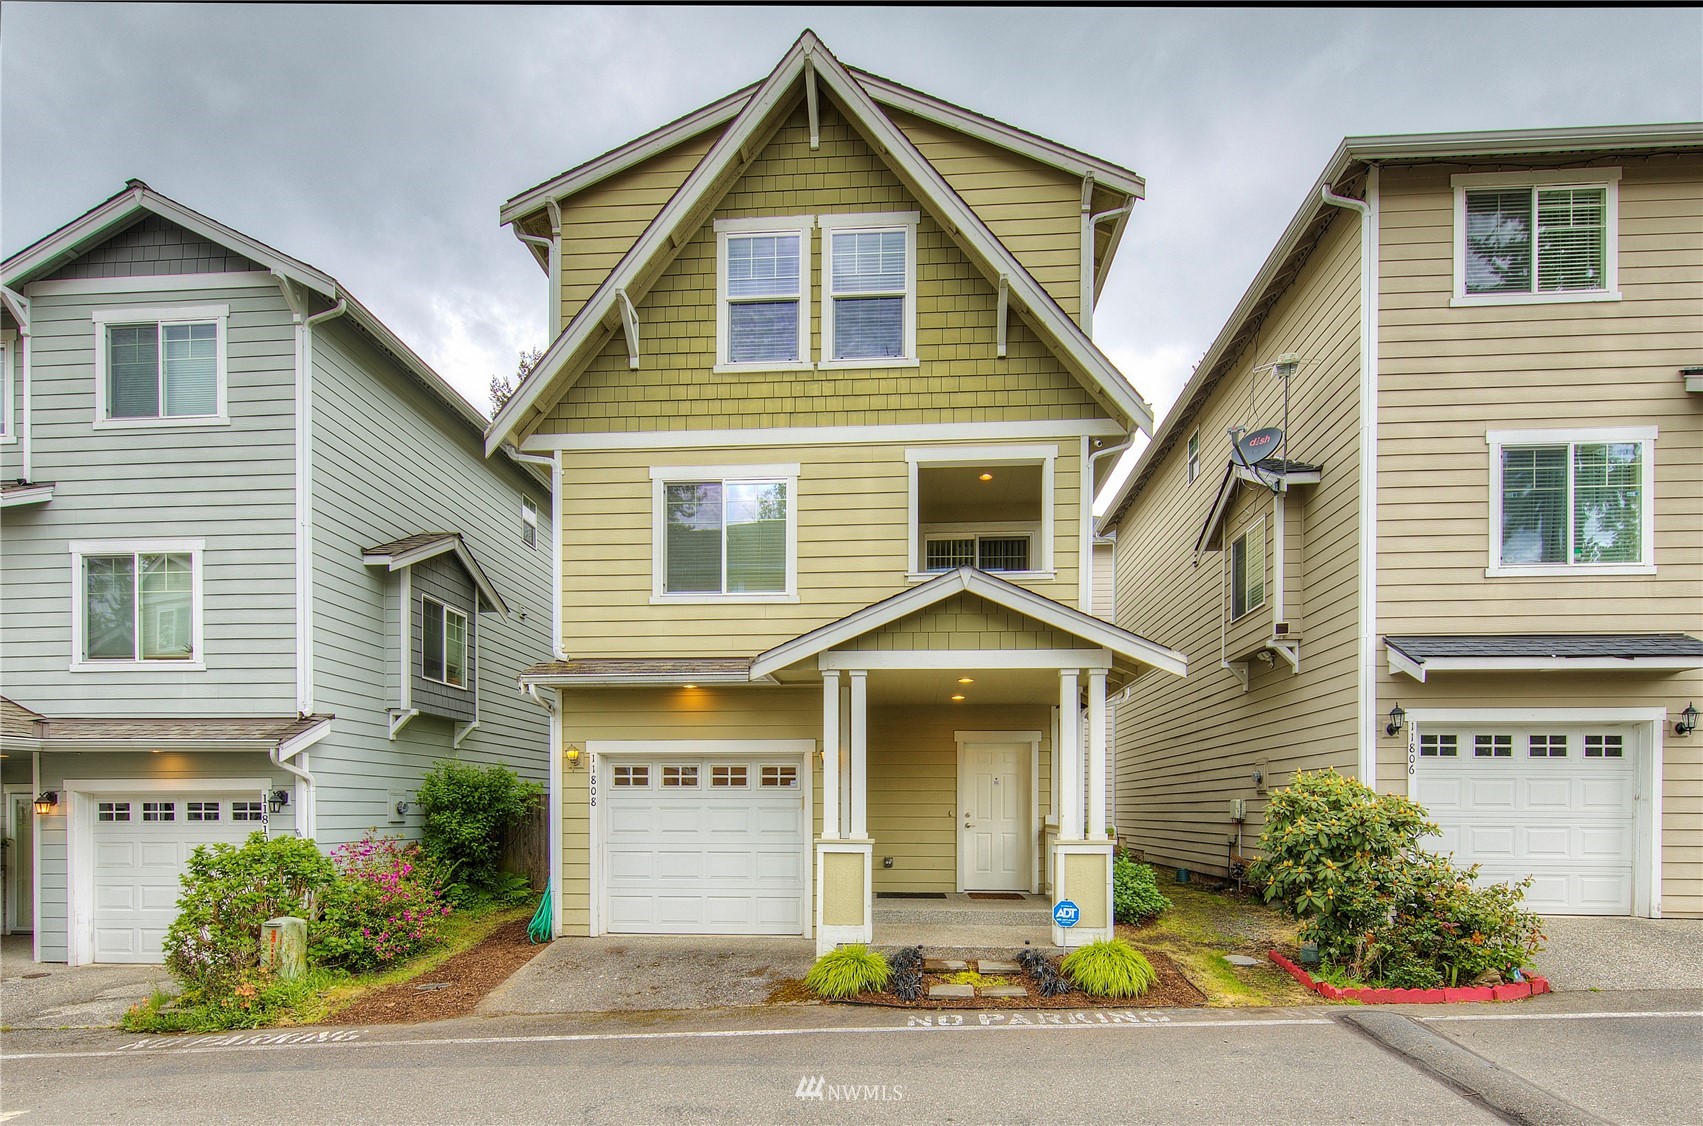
pixel 995 808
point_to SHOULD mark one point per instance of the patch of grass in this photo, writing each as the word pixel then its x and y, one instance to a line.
pixel 847 971
pixel 462 931
pixel 1202 926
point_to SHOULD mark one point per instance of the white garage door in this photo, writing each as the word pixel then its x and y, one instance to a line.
pixel 1553 803
pixel 704 846
pixel 141 842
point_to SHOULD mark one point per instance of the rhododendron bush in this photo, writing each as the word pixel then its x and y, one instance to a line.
pixel 386 905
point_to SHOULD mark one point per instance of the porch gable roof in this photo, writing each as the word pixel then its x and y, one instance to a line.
pixel 968 580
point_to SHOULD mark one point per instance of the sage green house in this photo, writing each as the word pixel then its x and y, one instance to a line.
pixel 825 418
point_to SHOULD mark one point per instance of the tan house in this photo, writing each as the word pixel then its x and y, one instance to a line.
pixel 1430 512
pixel 825 417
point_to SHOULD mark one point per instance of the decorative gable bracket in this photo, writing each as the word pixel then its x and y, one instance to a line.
pixel 629 327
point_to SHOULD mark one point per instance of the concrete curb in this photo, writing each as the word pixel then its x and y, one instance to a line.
pixel 1502 1091
pixel 1533 986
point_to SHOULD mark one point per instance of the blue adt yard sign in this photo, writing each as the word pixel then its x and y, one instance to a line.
pixel 1065 913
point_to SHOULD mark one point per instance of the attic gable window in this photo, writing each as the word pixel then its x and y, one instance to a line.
pixel 869 290
pixel 1536 236
pixel 763 293
pixel 159 367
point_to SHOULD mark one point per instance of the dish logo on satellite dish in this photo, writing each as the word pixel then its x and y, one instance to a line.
pixel 1259 445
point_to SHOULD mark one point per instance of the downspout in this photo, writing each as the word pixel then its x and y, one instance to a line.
pixel 552 249
pixel 1091 220
pixel 1367 687
pixel 554 811
pixel 307 814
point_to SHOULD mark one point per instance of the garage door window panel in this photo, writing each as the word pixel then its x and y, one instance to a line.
pixel 729 777
pixel 201 811
pixel 1492 746
pixel 1604 746
pixel 159 811
pixel 113 811
pixel 1547 746
pixel 1439 746
pixel 679 777
pixel 246 811
pixel 632 777
pixel 780 776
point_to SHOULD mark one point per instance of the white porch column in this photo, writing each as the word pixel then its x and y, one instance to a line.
pixel 1069 752
pixel 830 755
pixel 1097 754
pixel 859 754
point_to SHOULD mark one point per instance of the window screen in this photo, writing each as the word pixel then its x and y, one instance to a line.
pixel 868 289
pixel 763 293
pixel 1567 226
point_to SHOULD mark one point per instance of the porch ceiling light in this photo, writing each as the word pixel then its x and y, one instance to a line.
pixel 985 477
pixel 958 697
pixel 46 802
pixel 688 686
pixel 966 680
pixel 1398 720
pixel 1687 722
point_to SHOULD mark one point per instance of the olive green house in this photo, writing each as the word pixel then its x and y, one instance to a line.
pixel 825 417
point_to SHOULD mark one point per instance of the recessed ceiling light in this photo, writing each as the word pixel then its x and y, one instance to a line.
pixel 985 477
pixel 958 697
pixel 965 680
pixel 688 686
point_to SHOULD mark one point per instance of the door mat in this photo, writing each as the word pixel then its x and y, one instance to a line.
pixel 910 895
pixel 1017 895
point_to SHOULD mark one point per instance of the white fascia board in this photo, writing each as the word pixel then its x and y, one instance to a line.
pixel 1507 142
pixel 987 659
pixel 1401 663
pixel 487 589
pixel 644 680
pixel 296 744
pixel 882 434
pixel 1559 664
pixel 36 494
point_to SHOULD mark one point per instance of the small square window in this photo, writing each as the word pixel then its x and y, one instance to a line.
pixel 1492 746
pixel 633 776
pixel 680 777
pixel 729 776
pixel 1547 746
pixel 113 811
pixel 1438 746
pixel 138 606
pixel 246 811
pixel 201 811
pixel 780 776
pixel 159 811
pixel 160 366
pixel 1605 746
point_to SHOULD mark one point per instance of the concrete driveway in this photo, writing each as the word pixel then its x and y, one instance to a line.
pixel 1614 953
pixel 54 995
pixel 649 972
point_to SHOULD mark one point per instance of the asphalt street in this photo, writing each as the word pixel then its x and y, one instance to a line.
pixel 1626 1057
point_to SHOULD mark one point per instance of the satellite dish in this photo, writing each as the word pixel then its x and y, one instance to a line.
pixel 1261 444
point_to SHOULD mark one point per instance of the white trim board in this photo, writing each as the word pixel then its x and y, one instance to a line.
pixel 153 283
pixel 888 434
pixel 876 660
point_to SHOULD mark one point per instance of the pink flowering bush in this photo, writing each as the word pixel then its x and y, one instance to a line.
pixel 386 906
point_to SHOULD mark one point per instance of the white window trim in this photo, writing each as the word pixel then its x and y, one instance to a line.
pixel 528 519
pixel 1498 439
pixel 1265 578
pixel 991 529
pixel 800 225
pixel 1606 178
pixel 466 646
pixel 663 475
pixel 872 221
pixel 81 549
pixel 947 456
pixel 1191 458
pixel 161 315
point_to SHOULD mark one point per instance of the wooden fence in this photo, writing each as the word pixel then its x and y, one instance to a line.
pixel 526 847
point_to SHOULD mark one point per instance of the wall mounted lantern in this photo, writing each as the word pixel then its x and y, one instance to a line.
pixel 1687 722
pixel 1398 720
pixel 46 802
pixel 277 800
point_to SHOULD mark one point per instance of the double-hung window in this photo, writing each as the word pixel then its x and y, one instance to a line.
pixel 1194 456
pixel 528 522
pixel 137 604
pixel 1536 236
pixel 160 367
pixel 763 293
pixel 445 641
pixel 869 289
pixel 725 532
pixel 1247 570
pixel 1572 500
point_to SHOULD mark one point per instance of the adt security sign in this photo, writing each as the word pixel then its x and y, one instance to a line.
pixel 1065 913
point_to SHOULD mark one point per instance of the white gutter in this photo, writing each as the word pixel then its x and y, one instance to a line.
pixel 554 806
pixel 19 306
pixel 1091 222
pixel 307 815
pixel 1367 679
pixel 552 248
pixel 1085 597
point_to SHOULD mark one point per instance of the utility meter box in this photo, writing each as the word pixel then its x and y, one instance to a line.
pixel 1238 809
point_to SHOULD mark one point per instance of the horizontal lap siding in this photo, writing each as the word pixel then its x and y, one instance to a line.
pixel 231 485
pixel 960 379
pixel 1449 375
pixel 1186 746
pixel 389 463
pixel 851 511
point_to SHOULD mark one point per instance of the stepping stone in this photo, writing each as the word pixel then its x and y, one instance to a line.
pixel 943 966
pixel 1241 960
pixel 947 991
pixel 1003 991
pixel 990 966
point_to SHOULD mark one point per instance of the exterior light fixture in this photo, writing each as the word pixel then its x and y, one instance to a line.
pixel 572 755
pixel 985 477
pixel 966 680
pixel 46 802
pixel 688 686
pixel 1398 720
pixel 958 697
pixel 1687 722
pixel 277 800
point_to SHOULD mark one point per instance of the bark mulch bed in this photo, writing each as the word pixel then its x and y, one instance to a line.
pixel 1171 991
pixel 466 978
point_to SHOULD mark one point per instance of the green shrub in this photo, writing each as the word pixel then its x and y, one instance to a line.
pixel 465 810
pixel 847 971
pixel 1110 968
pixel 255 1002
pixel 1346 860
pixel 1135 891
pixel 229 891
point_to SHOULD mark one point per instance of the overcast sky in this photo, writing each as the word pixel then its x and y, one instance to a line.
pixel 377 142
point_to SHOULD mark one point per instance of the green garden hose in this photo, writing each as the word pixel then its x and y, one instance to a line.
pixel 539 929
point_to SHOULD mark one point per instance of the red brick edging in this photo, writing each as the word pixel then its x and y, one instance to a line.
pixel 1515 991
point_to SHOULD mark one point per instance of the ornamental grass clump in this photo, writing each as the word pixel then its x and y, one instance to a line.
pixel 1110 968
pixel 1135 891
pixel 847 971
pixel 385 907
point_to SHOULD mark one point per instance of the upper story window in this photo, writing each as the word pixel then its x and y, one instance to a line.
pixel 444 648
pixel 869 289
pixel 725 533
pixel 763 293
pixel 1194 456
pixel 1572 501
pixel 1247 570
pixel 137 604
pixel 988 507
pixel 528 522
pixel 1536 236
pixel 7 337
pixel 160 367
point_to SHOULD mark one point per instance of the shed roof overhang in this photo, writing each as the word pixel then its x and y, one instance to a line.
pixel 287 735
pixel 1269 473
pixel 1421 654
pixel 414 549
